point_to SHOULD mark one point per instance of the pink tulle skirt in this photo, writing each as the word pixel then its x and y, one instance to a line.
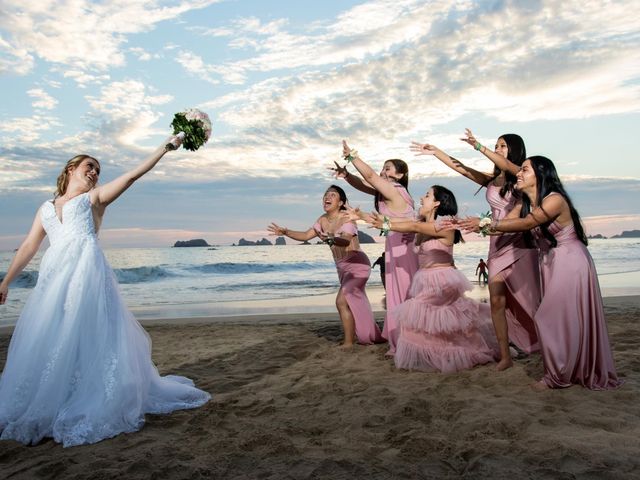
pixel 440 328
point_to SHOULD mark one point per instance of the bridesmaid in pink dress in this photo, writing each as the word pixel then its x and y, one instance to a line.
pixel 440 328
pixel 391 199
pixel 513 267
pixel 570 320
pixel 352 264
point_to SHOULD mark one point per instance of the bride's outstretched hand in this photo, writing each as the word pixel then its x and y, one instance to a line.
pixel 422 148
pixel 469 138
pixel 174 141
pixel 4 291
pixel 275 229
pixel 338 171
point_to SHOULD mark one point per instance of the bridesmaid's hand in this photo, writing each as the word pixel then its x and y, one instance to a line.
pixel 422 148
pixel 375 221
pixel 469 224
pixel 277 230
pixel 470 138
pixel 351 214
pixel 346 150
pixel 338 171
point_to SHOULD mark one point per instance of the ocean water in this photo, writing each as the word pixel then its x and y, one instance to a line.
pixel 169 282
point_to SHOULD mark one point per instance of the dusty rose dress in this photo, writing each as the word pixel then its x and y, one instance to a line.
pixel 400 263
pixel 440 328
pixel 518 266
pixel 570 320
pixel 353 271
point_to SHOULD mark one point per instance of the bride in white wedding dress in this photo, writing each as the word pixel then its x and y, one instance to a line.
pixel 79 365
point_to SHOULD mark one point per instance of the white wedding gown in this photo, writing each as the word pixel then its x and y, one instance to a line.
pixel 79 365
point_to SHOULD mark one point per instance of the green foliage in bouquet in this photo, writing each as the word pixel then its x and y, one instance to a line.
pixel 195 134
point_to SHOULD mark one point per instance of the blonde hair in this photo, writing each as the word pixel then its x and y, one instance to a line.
pixel 63 178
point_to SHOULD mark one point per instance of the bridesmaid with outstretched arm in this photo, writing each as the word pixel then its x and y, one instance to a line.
pixel 570 320
pixel 513 266
pixel 392 199
pixel 352 264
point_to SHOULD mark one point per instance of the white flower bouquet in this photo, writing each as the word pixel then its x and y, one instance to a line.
pixel 195 126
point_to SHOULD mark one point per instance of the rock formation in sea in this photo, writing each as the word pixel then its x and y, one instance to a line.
pixel 628 234
pixel 197 242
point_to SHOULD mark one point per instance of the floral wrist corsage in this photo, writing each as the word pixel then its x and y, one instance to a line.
pixel 485 224
pixel 351 156
pixel 386 226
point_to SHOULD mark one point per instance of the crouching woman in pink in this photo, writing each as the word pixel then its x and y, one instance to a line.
pixel 352 264
pixel 570 320
pixel 440 328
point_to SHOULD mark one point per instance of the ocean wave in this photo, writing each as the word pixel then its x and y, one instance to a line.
pixel 26 279
pixel 235 268
pixel 141 274
pixel 285 285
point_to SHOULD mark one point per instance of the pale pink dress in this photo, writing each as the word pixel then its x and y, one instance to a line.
pixel 400 263
pixel 570 320
pixel 353 271
pixel 518 266
pixel 440 328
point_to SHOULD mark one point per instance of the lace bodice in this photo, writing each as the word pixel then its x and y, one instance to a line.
pixel 77 220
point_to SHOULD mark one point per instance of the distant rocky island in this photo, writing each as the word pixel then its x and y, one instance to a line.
pixel 624 234
pixel 197 242
pixel 628 234
pixel 362 237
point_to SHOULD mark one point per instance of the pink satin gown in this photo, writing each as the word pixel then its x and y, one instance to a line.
pixel 510 258
pixel 400 263
pixel 353 271
pixel 440 328
pixel 570 320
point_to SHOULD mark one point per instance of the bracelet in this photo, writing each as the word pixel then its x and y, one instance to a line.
pixel 386 226
pixel 330 241
pixel 351 156
pixel 478 146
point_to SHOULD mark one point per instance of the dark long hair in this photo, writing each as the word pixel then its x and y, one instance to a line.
pixel 448 206
pixel 401 167
pixel 343 196
pixel 547 181
pixel 516 155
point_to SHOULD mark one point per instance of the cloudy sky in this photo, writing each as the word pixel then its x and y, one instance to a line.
pixel 285 81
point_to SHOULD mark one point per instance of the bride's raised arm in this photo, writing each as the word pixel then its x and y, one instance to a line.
pixel 105 194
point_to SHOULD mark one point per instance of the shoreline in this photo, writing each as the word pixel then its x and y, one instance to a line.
pixel 281 312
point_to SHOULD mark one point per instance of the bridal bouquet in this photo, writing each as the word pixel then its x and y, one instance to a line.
pixel 195 125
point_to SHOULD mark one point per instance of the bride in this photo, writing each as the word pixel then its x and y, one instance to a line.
pixel 79 365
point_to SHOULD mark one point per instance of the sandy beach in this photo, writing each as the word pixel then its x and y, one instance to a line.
pixel 287 403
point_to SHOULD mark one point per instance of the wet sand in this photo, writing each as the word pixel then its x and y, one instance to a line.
pixel 288 403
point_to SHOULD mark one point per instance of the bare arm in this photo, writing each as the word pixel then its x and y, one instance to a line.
pixel 105 194
pixel 382 186
pixel 501 162
pixel 301 236
pixel 353 180
pixel 407 225
pixel 474 175
pixel 23 256
pixel 552 207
